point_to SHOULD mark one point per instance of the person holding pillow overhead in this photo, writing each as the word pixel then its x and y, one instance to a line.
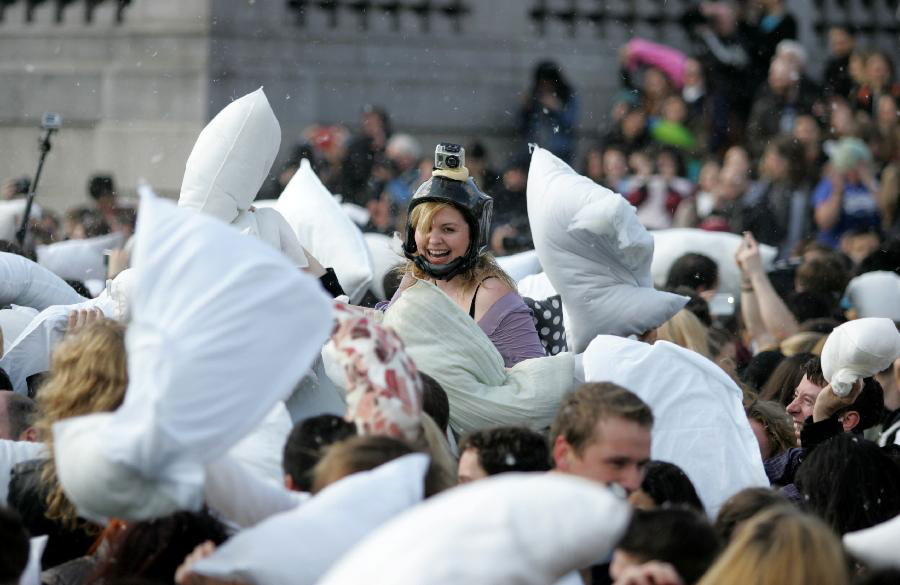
pixel 447 231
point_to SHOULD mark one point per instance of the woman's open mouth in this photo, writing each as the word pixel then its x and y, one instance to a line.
pixel 438 256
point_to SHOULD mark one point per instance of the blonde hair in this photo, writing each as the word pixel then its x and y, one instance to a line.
pixel 803 342
pixel 686 330
pixel 88 374
pixel 780 545
pixel 422 217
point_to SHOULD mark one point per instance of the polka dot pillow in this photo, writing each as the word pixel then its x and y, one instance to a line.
pixel 547 315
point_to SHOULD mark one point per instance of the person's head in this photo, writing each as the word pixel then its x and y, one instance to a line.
pixel 669 163
pixel 602 432
pixel 772 427
pixel 498 450
pixel 879 70
pixel 709 175
pixel 306 444
pixel 783 381
pixel 807 131
pixel 793 53
pixel 665 484
pixel 886 111
pixel 857 244
pixel 761 368
pixel 732 184
pixel 404 151
pixel 88 374
pixel 824 274
pixel 615 166
pixel 17 417
pixel 693 73
pixel 781 76
pixel 376 123
pixel 154 549
pixel 840 40
pixel 811 383
pixel 656 84
pixel 850 482
pixel 435 402
pixel 442 234
pixel 365 453
pixel 81 223
pixel 780 545
pixel 695 271
pixel 674 109
pixel 102 189
pixel 737 158
pixel 679 536
pixel 782 160
pixel 686 330
pixel 865 411
pixel 15 550
pixel 744 505
pixel 548 78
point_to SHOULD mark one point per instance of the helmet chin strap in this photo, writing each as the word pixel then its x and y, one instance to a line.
pixel 441 271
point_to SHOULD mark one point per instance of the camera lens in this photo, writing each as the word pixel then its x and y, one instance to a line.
pixel 452 161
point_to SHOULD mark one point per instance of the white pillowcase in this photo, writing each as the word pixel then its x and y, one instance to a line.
pixel 78 259
pixel 23 282
pixel 595 252
pixel 223 327
pixel 324 229
pixel 674 243
pixel 512 528
pixel 384 258
pixel 876 546
pixel 699 421
pixel 231 158
pixel 520 265
pixel 298 546
pixel 859 349
pixel 875 294
pixel 13 322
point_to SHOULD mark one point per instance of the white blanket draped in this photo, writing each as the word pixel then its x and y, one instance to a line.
pixel 448 345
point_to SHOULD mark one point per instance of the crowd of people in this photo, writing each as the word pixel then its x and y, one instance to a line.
pixel 209 393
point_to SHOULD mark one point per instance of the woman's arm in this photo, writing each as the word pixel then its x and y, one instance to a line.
pixel 777 319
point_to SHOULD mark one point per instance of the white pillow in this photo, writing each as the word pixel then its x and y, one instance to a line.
pixel 223 327
pixel 876 294
pixel 595 252
pixel 876 546
pixel 78 259
pixel 32 573
pixel 261 450
pixel 512 528
pixel 326 231
pixel 231 158
pixel 699 421
pixel 384 258
pixel 859 349
pixel 297 547
pixel 13 322
pixel 674 243
pixel 29 353
pixel 520 265
pixel 11 213
pixel 536 286
pixel 23 282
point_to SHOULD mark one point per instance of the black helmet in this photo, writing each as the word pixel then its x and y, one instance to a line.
pixel 474 205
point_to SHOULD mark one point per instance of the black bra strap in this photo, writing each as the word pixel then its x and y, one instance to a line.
pixel 472 304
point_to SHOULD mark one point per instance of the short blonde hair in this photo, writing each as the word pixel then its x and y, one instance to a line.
pixel 686 330
pixel 780 545
pixel 88 374
pixel 421 219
